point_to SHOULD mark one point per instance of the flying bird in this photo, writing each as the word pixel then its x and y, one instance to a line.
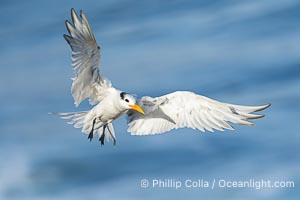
pixel 146 115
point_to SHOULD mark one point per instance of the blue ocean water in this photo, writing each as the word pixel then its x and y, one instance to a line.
pixel 242 52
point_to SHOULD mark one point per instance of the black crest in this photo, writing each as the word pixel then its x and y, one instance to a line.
pixel 122 95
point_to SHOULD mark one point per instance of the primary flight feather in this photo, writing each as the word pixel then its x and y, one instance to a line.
pixel 147 115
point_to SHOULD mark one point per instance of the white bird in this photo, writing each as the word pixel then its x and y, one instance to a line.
pixel 147 115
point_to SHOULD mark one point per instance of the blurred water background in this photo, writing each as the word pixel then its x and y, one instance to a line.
pixel 243 52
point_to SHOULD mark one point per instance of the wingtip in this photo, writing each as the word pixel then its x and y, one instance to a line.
pixel 65 36
pixel 68 24
pixel 264 107
pixel 259 116
pixel 74 15
pixel 251 123
pixel 255 116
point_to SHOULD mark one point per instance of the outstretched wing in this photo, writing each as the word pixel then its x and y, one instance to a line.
pixel 187 109
pixel 85 60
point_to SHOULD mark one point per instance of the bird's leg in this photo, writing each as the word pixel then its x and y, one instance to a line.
pixel 101 139
pixel 92 131
pixel 114 139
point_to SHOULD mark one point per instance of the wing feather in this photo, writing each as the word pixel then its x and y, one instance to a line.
pixel 85 61
pixel 186 109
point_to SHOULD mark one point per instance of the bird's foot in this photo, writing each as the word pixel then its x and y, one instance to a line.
pixel 91 134
pixel 90 137
pixel 101 139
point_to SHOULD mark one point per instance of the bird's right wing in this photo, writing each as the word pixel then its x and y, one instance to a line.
pixel 85 60
pixel 187 109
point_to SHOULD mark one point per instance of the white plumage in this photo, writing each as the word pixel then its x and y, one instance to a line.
pixel 85 60
pixel 187 109
pixel 147 115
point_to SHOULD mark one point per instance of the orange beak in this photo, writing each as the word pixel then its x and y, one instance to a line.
pixel 137 108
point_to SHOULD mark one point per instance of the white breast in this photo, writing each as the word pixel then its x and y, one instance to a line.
pixel 108 110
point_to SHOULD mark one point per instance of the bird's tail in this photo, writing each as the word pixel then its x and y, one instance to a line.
pixel 78 119
pixel 84 120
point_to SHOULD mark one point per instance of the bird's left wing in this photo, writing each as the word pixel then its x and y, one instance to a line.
pixel 187 109
pixel 85 60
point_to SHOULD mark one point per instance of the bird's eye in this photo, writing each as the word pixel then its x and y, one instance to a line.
pixel 127 100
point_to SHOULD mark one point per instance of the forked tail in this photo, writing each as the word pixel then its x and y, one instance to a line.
pixel 89 124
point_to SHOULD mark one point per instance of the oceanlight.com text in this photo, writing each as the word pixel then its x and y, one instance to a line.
pixel 256 184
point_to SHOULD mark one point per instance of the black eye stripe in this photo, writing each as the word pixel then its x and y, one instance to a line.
pixel 122 95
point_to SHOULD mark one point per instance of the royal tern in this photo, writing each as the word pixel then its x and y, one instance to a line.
pixel 147 115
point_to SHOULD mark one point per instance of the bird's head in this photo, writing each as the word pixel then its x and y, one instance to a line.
pixel 129 102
